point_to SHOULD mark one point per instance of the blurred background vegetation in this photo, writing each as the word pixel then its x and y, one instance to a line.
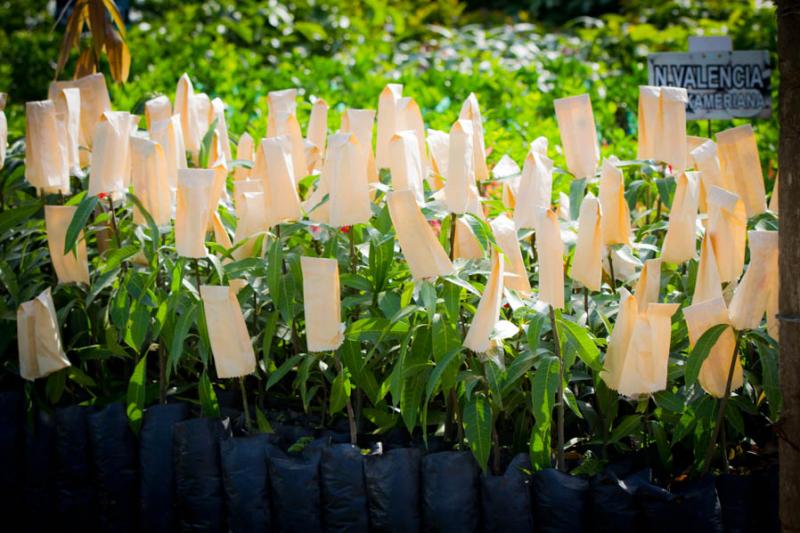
pixel 516 58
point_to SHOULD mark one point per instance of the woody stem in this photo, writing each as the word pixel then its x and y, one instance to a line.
pixel 452 235
pixel 560 463
pixel 611 272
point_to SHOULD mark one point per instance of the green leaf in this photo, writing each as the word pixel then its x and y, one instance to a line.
pixel 340 391
pixel 136 395
pixel 445 339
pixel 669 400
pixel 700 352
pixel 435 379
pixel 666 187
pixel 481 230
pixel 78 222
pixel 208 398
pixel 543 392
pixel 262 423
pixel 11 218
pixel 205 147
pixel 138 325
pixel 56 382
pixel 534 332
pixel 577 189
pixel 269 333
pixel 628 425
pixel 587 349
pixel 282 370
pixel 179 334
pixel 770 376
pixel 478 429
pixel 274 272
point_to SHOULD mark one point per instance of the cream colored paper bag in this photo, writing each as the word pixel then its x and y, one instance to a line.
pixel 680 242
pixel 508 172
pixel 707 285
pixel 425 256
pixel 409 118
pixel 189 109
pixel 460 170
pixel 45 158
pixel 405 164
pixel 221 236
pixel 648 286
pixel 360 122
pixel 157 109
pixel 587 263
pixel 94 102
pixel 110 170
pixel 647 359
pixel 649 121
pixel 245 151
pixel 578 134
pixel 253 221
pixel 68 115
pixel 773 200
pixel 317 131
pixel 713 376
pixel 620 338
pixel 221 129
pixel 671 145
pixel 39 338
pixel 227 332
pixel 550 252
pixel 752 295
pixel 625 264
pixel 741 166
pixel 347 181
pixel 69 267
pixel 274 167
pixel 467 245
pixel 241 187
pixel 535 186
pixel 472 112
pixel 322 305
pixel 616 216
pixel 727 225
pixel 387 122
pixel 169 135
pixel 704 159
pixel 488 312
pixel 282 120
pixel 515 277
pixel 150 184
pixel 439 146
pixel 193 213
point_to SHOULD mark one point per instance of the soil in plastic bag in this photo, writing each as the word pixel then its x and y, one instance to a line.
pixel 198 474
pixel 560 502
pixel 614 508
pixel 115 467
pixel 11 440
pixel 344 495
pixel 392 483
pixel 450 492
pixel 506 499
pixel 245 477
pixel 76 500
pixel 39 491
pixel 735 498
pixel 157 474
pixel 690 507
pixel 295 493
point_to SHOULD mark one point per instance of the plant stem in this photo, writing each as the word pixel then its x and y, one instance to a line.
pixel 586 302
pixel 351 418
pixel 197 274
pixel 113 220
pixel 533 249
pixel 611 271
pixel 453 218
pixel 247 424
pixel 721 410
pixel 560 464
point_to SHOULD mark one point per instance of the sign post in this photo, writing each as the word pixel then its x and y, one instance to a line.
pixel 721 83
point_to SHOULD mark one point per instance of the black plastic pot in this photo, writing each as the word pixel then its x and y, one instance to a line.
pixel 295 493
pixel 690 507
pixel 39 488
pixel 392 483
pixel 560 502
pixel 613 507
pixel 735 498
pixel 450 492
pixel 157 474
pixel 115 467
pixel 76 499
pixel 245 478
pixel 198 474
pixel 506 499
pixel 11 439
pixel 344 495
pixel 765 504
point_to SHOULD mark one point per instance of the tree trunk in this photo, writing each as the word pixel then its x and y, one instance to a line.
pixel 789 166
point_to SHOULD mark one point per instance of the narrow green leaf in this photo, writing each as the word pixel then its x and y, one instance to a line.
pixel 587 349
pixel 478 429
pixel 208 398
pixel 577 189
pixel 628 425
pixel 282 370
pixel 700 352
pixel 78 222
pixel 136 395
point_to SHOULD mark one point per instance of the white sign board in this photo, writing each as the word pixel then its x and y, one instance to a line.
pixel 720 84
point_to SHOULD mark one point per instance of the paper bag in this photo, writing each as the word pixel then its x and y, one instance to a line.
pixel 680 242
pixel 616 216
pixel 110 169
pixel 45 158
pixel 347 181
pixel 587 263
pixel 39 338
pixel 253 221
pixel 425 256
pixel 150 185
pixel 516 276
pixel 157 109
pixel 550 253
pixel 439 146
pixel 274 167
pixel 488 311
pixel 360 122
pixel 69 267
pixel 322 305
pixel 648 286
pixel 535 186
pixel 578 134
pixel 94 102
pixel 727 225
pixel 227 332
pixel 671 145
pixel 169 135
pixel 752 295
pixel 713 376
pixel 68 115
pixel 244 152
pixel 472 112
pixel 405 164
pixel 741 166
pixel 387 122
pixel 193 211
pixel 460 170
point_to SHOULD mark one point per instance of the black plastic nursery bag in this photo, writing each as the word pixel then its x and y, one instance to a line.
pixel 344 496
pixel 450 492
pixel 392 483
pixel 560 502
pixel 76 503
pixel 295 493
pixel 506 499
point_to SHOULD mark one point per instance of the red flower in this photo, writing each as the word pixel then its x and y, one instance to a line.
pixel 506 306
pixel 102 196
pixel 345 229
